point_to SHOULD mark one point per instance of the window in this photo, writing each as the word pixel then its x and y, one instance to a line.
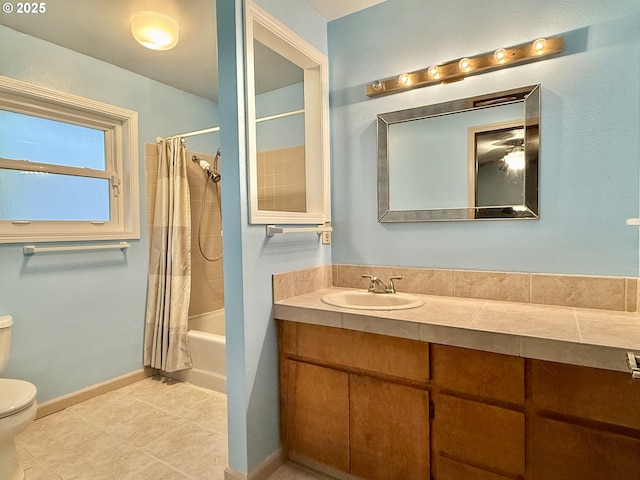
pixel 68 167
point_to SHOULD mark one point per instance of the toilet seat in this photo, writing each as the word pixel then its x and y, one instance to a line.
pixel 15 396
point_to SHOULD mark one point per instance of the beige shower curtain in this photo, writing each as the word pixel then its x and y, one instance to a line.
pixel 165 342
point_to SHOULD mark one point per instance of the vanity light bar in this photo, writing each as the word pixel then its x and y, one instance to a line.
pixel 454 70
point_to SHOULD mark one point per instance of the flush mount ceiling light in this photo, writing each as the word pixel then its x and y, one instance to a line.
pixel 154 30
pixel 463 67
pixel 514 159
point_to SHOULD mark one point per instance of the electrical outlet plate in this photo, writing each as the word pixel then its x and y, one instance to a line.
pixel 326 236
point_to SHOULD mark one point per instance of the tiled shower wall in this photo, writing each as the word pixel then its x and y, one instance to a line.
pixel 281 180
pixel 207 292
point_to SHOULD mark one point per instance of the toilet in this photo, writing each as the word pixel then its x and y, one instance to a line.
pixel 17 408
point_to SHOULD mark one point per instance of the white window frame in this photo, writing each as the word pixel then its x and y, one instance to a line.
pixel 121 163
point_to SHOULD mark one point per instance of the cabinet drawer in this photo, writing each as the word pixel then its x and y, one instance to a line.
pixel 480 434
pixel 398 357
pixel 485 374
pixel 601 395
pixel 562 451
pixel 447 469
pixel 315 413
pixel 389 429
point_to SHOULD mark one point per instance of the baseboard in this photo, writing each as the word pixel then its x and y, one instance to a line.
pixel 60 403
pixel 201 378
pixel 262 471
pixel 320 469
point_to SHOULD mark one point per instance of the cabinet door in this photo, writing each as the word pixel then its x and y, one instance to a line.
pixel 481 374
pixel 477 434
pixel 315 414
pixel 389 430
pixel 563 451
pixel 378 354
pixel 591 393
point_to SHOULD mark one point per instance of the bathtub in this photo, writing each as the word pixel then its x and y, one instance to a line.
pixel 207 345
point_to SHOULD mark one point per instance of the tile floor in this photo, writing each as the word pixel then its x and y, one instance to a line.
pixel 155 429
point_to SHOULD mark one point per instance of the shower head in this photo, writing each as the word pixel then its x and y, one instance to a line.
pixel 212 173
pixel 215 175
pixel 204 165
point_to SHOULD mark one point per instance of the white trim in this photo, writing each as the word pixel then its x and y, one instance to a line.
pixel 121 144
pixel 27 166
pixel 263 27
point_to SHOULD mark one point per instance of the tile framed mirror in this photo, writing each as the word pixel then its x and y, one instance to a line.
pixel 468 159
pixel 288 124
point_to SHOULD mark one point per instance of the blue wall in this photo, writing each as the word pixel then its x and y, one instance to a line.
pixel 280 132
pixel 590 124
pixel 79 316
pixel 250 256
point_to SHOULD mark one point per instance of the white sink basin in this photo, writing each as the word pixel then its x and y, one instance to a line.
pixel 364 300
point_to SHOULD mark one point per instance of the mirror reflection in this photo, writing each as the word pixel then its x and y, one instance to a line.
pixel 499 160
pixel 280 144
pixel 461 160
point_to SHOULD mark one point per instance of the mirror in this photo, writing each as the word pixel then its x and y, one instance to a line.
pixel 474 158
pixel 287 85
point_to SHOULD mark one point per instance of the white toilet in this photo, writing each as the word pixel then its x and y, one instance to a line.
pixel 17 408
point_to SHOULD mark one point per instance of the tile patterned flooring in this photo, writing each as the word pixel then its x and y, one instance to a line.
pixel 155 429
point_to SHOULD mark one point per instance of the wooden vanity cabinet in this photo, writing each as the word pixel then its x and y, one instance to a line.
pixel 315 413
pixel 383 408
pixel 487 437
pixel 389 430
pixel 478 425
pixel 586 423
pixel 563 450
pixel 355 402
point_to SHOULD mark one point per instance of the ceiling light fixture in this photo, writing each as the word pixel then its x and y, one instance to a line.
pixel 514 159
pixel 154 30
pixel 460 68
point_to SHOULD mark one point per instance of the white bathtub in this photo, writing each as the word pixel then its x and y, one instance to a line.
pixel 207 344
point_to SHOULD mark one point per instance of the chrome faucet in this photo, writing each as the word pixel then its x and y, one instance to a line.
pixel 391 288
pixel 377 286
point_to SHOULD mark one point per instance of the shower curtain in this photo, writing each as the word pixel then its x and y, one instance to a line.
pixel 165 343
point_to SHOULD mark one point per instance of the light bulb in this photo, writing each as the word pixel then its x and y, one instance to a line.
pixel 403 78
pixel 515 159
pixel 500 55
pixel 539 44
pixel 154 30
pixel 434 71
pixel 377 85
pixel 464 64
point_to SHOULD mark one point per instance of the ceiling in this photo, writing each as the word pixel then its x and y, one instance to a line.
pixel 100 29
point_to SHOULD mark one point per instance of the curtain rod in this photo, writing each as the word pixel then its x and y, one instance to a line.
pixel 216 129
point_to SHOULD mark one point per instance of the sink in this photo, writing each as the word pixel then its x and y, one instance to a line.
pixel 363 300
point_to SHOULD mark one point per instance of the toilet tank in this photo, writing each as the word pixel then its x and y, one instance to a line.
pixel 5 340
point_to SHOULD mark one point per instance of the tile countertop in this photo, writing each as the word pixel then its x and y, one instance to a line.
pixel 579 336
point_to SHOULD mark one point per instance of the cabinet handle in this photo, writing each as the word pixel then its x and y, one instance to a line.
pixel 632 362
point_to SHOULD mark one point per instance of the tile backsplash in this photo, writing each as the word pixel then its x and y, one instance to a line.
pixel 582 291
